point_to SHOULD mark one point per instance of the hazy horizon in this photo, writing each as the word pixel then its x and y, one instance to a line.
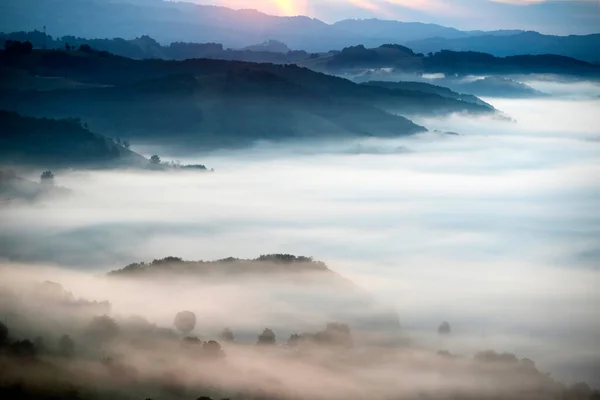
pixel 558 17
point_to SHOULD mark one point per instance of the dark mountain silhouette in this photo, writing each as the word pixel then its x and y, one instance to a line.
pixel 467 63
pixel 147 47
pixel 430 89
pixel 272 46
pixel 58 143
pixel 403 59
pixel 193 100
pixel 492 86
pixel 388 55
pixel 353 58
pixel 582 47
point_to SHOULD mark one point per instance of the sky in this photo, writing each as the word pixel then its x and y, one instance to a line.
pixel 547 16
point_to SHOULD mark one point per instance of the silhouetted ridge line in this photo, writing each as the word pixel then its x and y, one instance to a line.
pixel 268 263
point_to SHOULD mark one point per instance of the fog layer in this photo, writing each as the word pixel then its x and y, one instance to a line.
pixel 495 230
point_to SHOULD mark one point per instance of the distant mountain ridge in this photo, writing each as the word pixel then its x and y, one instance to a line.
pixel 188 22
pixel 582 47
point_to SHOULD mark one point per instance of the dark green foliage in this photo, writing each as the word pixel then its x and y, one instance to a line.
pixel 267 337
pixel 155 159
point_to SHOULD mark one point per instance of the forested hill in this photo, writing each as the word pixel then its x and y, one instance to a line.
pixel 297 282
pixel 192 101
pixel 59 143
pixel 269 264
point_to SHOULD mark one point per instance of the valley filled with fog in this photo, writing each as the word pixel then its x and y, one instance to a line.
pixel 494 229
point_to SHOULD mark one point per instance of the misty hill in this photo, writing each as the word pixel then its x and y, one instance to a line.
pixel 146 47
pixel 296 281
pixel 493 86
pixel 14 187
pixel 194 99
pixel 272 46
pixel 350 59
pixel 189 22
pixel 60 143
pixel 428 88
pixel 582 47
pixel 388 55
pixel 275 264
pixel 465 63
pixel 402 59
pixel 408 31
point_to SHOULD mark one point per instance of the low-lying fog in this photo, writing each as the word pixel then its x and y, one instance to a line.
pixel 494 230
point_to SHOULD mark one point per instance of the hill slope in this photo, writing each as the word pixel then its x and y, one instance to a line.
pixel 288 282
pixel 194 100
pixel 58 143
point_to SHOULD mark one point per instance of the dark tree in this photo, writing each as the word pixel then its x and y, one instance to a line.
pixel 336 334
pixel 126 144
pixel 185 321
pixel 227 335
pixel 17 47
pixel 294 340
pixel 3 334
pixel 267 337
pixel 23 349
pixel 47 177
pixel 102 329
pixel 444 328
pixel 66 346
pixel 85 48
pixel 192 340
pixel 67 47
pixel 155 159
pixel 212 349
